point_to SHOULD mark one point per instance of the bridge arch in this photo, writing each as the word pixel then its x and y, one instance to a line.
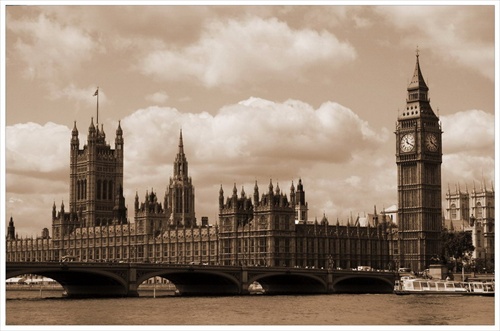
pixel 362 284
pixel 90 282
pixel 197 282
pixel 290 283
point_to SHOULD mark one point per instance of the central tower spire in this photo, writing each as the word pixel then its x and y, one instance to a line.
pixel 417 88
pixel 179 198
pixel 180 164
pixel 417 100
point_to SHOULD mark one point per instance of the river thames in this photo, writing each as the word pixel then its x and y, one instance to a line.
pixel 44 308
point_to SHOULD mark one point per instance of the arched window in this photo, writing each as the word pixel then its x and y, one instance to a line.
pixel 453 211
pixel 479 210
pixel 99 189
pixel 110 190
pixel 104 189
pixel 78 190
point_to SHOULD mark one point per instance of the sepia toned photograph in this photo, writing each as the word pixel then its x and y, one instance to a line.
pixel 239 165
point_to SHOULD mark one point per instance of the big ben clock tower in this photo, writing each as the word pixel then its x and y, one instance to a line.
pixel 418 158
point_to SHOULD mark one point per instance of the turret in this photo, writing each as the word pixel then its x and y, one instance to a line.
pixel 256 194
pixel 119 140
pixel 235 195
pixel 75 142
pixel 119 210
pixel 11 230
pixel 92 132
pixel 54 212
pixel 221 197
pixel 136 202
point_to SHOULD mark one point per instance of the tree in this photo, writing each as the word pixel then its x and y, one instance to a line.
pixel 456 246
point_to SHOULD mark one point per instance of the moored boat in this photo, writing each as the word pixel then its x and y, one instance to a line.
pixel 413 285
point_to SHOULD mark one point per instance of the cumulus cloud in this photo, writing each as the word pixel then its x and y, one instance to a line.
pixel 37 173
pixel 471 132
pixel 346 166
pixel 255 139
pixel 48 48
pixel 452 32
pixel 258 131
pixel 468 146
pixel 231 52
pixel 34 148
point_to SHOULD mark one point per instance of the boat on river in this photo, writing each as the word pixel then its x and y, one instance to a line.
pixel 421 286
pixel 256 288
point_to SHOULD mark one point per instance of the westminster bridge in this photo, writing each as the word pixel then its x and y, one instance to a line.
pixel 88 279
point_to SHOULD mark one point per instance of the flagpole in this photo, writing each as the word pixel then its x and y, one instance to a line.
pixel 96 94
pixel 97 105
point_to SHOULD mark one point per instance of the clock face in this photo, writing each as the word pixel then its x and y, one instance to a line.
pixel 431 142
pixel 407 142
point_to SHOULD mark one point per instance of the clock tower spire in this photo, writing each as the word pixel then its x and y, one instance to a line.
pixel 418 159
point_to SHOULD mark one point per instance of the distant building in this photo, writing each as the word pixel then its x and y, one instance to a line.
pixel 474 212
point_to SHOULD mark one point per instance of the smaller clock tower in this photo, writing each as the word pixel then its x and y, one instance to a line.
pixel 418 158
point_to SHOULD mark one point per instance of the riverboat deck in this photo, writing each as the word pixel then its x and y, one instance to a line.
pixel 412 285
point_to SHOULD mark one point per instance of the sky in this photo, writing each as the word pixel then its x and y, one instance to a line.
pixel 262 93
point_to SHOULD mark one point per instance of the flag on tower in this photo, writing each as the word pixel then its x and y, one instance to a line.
pixel 96 92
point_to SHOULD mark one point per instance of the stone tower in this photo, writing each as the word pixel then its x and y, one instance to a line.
pixel 482 221
pixel 96 177
pixel 179 197
pixel 418 159
pixel 298 201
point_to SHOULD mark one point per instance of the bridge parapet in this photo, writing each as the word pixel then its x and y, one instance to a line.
pixel 100 279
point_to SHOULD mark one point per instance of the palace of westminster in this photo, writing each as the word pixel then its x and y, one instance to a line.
pixel 266 227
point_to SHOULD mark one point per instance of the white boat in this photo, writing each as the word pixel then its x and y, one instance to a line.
pixel 413 285
pixel 255 288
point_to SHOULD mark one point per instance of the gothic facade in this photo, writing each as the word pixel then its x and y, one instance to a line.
pixel 271 229
pixel 474 212
pixel 267 227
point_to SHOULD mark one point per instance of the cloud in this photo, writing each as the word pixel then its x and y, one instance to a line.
pixel 77 95
pixel 32 148
pixel 234 52
pixel 255 139
pixel 36 173
pixel 346 165
pixel 471 132
pixel 48 48
pixel 468 147
pixel 157 97
pixel 260 132
pixel 454 33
